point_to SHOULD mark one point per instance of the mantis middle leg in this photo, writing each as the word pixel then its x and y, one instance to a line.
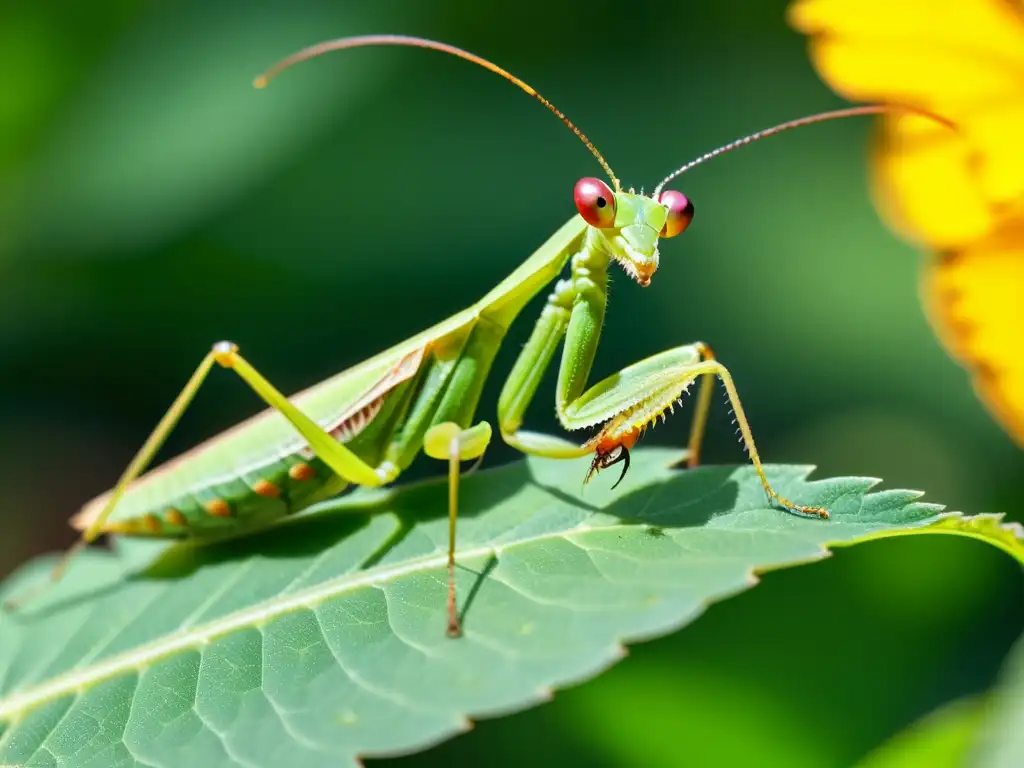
pixel 439 423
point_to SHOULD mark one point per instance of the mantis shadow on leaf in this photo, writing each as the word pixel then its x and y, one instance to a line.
pixel 686 498
pixel 669 499
pixel 331 522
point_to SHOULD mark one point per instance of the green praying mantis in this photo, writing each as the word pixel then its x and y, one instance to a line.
pixel 366 425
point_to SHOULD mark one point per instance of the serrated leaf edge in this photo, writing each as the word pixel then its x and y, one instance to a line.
pixel 988 527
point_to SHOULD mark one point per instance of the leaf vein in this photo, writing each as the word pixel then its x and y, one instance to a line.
pixel 394 698
pixel 225 587
pixel 104 642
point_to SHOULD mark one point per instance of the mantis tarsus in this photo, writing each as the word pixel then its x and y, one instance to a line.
pixel 366 425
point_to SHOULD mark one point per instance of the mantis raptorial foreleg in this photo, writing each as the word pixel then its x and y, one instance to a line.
pixel 535 358
pixel 625 402
pixel 667 376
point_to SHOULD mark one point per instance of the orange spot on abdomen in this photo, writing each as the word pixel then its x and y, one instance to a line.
pixel 218 508
pixel 301 472
pixel 266 488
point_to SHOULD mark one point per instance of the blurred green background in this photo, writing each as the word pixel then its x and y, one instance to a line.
pixel 152 202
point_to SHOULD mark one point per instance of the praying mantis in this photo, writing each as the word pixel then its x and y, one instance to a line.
pixel 367 424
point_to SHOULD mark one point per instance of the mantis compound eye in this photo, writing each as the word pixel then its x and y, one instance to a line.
pixel 680 212
pixel 595 202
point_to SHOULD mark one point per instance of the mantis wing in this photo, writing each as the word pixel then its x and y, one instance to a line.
pixel 267 437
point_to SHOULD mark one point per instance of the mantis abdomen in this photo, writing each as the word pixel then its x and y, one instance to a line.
pixel 210 490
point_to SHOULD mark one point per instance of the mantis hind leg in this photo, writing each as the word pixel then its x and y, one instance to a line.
pixel 341 460
pixel 137 466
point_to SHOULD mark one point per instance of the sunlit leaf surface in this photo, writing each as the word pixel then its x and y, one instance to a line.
pixel 323 639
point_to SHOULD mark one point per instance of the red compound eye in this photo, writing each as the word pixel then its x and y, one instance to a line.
pixel 680 212
pixel 595 202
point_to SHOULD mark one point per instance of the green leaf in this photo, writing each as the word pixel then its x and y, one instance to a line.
pixel 942 739
pixel 322 639
pixel 986 731
pixel 1001 741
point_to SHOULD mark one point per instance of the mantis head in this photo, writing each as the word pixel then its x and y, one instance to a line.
pixel 631 225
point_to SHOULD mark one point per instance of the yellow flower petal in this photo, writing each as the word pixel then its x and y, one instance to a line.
pixel 988 29
pixel 910 71
pixel 963 59
pixel 924 186
pixel 999 129
pixel 960 193
pixel 975 299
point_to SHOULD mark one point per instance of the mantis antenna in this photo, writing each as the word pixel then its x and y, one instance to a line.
pixel 821 117
pixel 419 42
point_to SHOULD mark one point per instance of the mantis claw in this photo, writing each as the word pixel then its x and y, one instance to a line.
pixel 605 459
